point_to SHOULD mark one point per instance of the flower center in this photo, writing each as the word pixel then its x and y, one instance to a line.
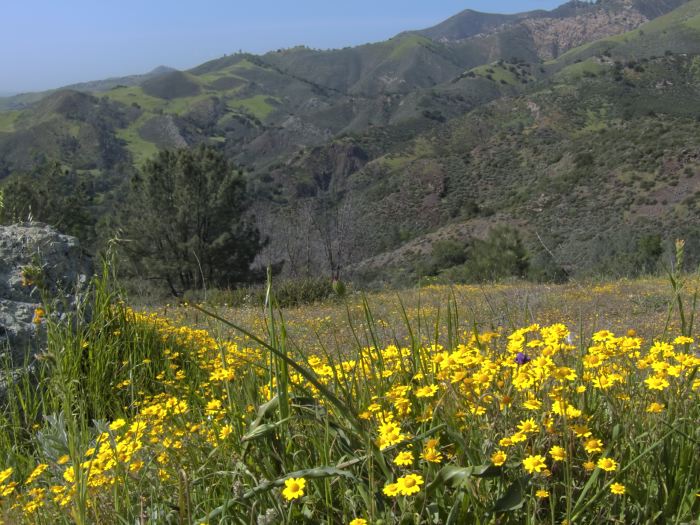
pixel 410 482
pixel 294 487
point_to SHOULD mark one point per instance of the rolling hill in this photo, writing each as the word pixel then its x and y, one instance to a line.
pixel 380 151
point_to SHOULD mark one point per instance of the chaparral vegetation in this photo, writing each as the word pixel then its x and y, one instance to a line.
pixel 440 405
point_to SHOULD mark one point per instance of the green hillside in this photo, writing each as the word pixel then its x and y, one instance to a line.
pixel 381 152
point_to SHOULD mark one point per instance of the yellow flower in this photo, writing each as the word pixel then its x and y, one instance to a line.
pixel 607 464
pixel 410 484
pixel 404 458
pixel 518 437
pixel 682 340
pixel 528 426
pixel 117 424
pixel 542 493
pixel 391 490
pixel 358 521
pixel 656 383
pixel 655 408
pixel 225 431
pixel 69 475
pixel 293 488
pixel 593 445
pixel 427 391
pixel 5 474
pixel 588 466
pixel 39 314
pixel 532 404
pixel 498 458
pixel 617 489
pixel 534 464
pixel 38 471
pixel 431 455
pixel 558 453
pixel 506 442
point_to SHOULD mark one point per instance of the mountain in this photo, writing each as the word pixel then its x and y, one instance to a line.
pixel 14 101
pixel 378 152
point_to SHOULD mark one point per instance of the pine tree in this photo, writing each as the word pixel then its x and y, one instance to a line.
pixel 185 221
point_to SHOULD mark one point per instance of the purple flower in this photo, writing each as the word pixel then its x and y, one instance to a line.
pixel 522 358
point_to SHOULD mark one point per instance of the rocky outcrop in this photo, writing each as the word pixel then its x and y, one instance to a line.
pixel 553 36
pixel 36 264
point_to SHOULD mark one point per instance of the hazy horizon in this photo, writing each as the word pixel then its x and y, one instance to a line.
pixel 53 46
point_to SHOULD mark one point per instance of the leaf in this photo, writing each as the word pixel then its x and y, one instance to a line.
pixel 455 476
pixel 315 473
pixel 514 496
pixel 262 430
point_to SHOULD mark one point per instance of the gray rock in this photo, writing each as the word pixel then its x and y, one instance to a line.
pixel 61 273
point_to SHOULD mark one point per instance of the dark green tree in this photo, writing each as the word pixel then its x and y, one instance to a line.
pixel 185 221
pixel 51 194
pixel 501 254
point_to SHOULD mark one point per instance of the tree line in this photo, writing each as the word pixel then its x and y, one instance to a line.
pixel 182 219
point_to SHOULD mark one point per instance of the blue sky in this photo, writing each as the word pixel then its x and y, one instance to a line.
pixel 50 43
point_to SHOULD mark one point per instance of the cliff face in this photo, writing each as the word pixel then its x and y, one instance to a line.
pixel 554 36
pixel 554 32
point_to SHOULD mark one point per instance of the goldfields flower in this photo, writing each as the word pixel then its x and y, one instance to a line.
pixel 518 437
pixel 117 424
pixel 534 464
pixel 358 521
pixel 4 474
pixel 617 489
pixel 558 453
pixel 391 490
pixel 542 494
pixel 38 471
pixel 498 458
pixel 225 431
pixel 593 445
pixel 581 431
pixel 655 408
pixel 588 466
pixel 656 383
pixel 532 404
pixel 409 484
pixel 431 455
pixel 528 426
pixel 607 464
pixel 404 458
pixel 293 488
pixel 39 314
pixel 426 391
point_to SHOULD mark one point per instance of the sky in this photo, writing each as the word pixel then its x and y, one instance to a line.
pixel 52 43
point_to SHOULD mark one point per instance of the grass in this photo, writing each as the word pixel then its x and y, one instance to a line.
pixel 258 106
pixel 578 70
pixel 140 149
pixel 7 121
pixel 403 45
pixel 135 95
pixel 437 405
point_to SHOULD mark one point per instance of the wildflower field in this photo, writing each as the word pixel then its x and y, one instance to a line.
pixel 500 404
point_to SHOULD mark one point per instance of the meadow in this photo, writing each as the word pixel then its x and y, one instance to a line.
pixel 503 403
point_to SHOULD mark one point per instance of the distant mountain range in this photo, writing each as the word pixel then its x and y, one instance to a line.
pixel 577 125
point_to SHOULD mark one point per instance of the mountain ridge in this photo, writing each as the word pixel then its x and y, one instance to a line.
pixel 326 137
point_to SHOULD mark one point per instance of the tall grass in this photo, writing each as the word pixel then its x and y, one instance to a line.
pixel 130 418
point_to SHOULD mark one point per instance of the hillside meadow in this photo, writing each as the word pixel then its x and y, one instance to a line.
pixel 502 403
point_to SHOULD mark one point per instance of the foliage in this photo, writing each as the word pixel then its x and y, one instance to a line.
pixel 502 254
pixel 185 221
pixel 54 195
pixel 288 293
pixel 135 418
